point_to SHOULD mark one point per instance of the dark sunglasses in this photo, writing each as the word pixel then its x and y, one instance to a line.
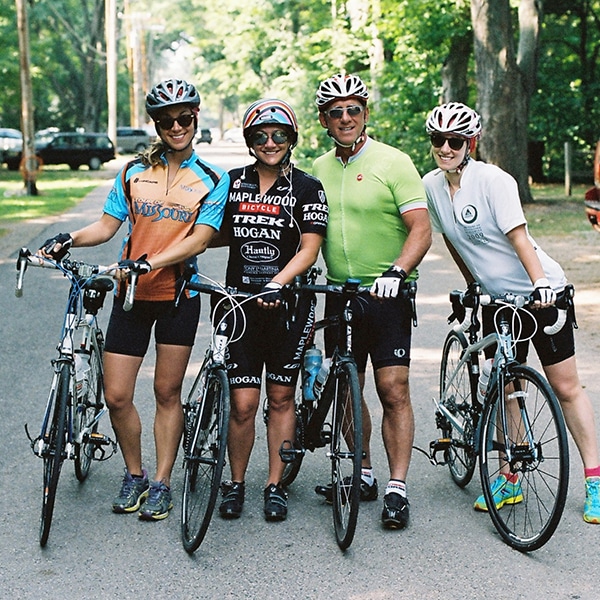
pixel 260 137
pixel 338 111
pixel 437 141
pixel 167 123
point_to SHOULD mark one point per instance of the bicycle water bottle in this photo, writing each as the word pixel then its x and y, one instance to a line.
pixel 82 366
pixel 313 358
pixel 484 377
pixel 321 378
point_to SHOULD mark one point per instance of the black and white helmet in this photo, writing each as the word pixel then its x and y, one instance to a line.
pixel 169 93
pixel 341 86
pixel 456 118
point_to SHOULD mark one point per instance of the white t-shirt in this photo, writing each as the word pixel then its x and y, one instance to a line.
pixel 484 210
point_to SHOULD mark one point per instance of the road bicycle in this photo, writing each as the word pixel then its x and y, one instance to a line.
pixel 206 416
pixel 517 428
pixel 74 406
pixel 333 417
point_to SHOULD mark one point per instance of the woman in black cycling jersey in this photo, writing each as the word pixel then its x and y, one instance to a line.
pixel 275 220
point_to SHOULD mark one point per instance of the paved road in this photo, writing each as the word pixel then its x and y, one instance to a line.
pixel 448 552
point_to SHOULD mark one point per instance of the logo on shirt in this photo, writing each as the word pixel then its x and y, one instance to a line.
pixel 258 252
pixel 469 214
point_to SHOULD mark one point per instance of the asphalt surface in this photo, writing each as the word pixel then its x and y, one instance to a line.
pixel 448 551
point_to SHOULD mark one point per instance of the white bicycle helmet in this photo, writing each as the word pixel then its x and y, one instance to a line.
pixel 169 93
pixel 341 86
pixel 456 118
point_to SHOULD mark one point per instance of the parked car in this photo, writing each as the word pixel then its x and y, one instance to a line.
pixel 131 140
pixel 204 135
pixel 592 196
pixel 11 147
pixel 235 135
pixel 73 149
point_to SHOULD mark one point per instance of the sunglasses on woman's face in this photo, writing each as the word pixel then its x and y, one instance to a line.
pixel 437 141
pixel 167 123
pixel 278 136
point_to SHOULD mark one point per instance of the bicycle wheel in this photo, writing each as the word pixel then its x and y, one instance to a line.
pixel 346 451
pixel 54 448
pixel 291 469
pixel 527 513
pixel 86 414
pixel 204 459
pixel 456 397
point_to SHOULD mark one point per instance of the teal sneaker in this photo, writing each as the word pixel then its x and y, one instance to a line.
pixel 591 509
pixel 503 492
pixel 134 491
pixel 158 504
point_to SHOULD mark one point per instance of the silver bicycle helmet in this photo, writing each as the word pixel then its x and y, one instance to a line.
pixel 341 86
pixel 456 118
pixel 169 93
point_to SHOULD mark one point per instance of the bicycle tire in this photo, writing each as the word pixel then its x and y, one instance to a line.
pixel 346 451
pixel 291 469
pixel 542 461
pixel 54 448
pixel 204 459
pixel 86 411
pixel 457 398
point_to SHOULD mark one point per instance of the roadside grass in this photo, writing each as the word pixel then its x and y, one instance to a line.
pixel 58 191
pixel 552 213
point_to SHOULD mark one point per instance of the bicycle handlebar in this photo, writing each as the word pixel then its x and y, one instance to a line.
pixel 472 298
pixel 74 268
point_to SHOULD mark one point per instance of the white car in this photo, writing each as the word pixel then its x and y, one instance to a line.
pixel 235 135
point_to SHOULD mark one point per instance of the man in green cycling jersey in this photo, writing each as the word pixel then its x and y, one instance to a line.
pixel 378 232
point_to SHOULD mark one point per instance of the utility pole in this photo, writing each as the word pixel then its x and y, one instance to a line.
pixel 110 21
pixel 29 164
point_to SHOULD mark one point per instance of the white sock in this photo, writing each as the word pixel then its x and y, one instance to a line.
pixel 367 475
pixel 395 486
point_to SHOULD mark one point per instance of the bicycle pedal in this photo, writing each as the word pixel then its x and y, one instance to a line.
pixel 99 439
pixel 439 445
pixel 288 452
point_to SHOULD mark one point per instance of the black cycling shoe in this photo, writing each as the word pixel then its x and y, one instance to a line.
pixel 233 499
pixel 275 503
pixel 367 492
pixel 395 511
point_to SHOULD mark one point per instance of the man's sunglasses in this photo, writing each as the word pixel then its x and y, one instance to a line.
pixel 338 111
pixel 260 137
pixel 437 141
pixel 167 123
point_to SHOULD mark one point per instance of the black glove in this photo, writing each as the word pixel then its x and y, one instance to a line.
pixel 543 293
pixel 140 265
pixel 64 239
pixel 271 292
pixel 387 285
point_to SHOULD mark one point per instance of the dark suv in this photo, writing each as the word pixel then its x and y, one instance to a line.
pixel 75 149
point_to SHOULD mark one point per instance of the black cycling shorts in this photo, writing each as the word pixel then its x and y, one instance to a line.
pixel 551 349
pixel 129 332
pixel 269 341
pixel 382 330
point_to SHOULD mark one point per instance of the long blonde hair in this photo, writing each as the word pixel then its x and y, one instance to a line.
pixel 151 157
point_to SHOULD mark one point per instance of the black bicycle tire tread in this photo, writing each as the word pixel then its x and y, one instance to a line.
pixel 345 535
pixel 192 542
pixel 513 540
pixel 59 424
pixel 470 468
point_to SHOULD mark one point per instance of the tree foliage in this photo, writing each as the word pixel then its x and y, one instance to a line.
pixel 413 54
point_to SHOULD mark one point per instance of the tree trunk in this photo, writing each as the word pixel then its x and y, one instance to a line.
pixel 455 84
pixel 503 89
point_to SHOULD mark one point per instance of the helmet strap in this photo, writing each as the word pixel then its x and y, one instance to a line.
pixel 353 145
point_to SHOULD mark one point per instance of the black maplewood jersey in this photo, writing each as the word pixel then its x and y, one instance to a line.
pixel 265 231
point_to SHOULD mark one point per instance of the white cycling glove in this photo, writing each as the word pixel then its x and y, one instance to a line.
pixel 387 285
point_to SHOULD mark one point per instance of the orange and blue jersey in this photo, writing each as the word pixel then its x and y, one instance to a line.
pixel 161 214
